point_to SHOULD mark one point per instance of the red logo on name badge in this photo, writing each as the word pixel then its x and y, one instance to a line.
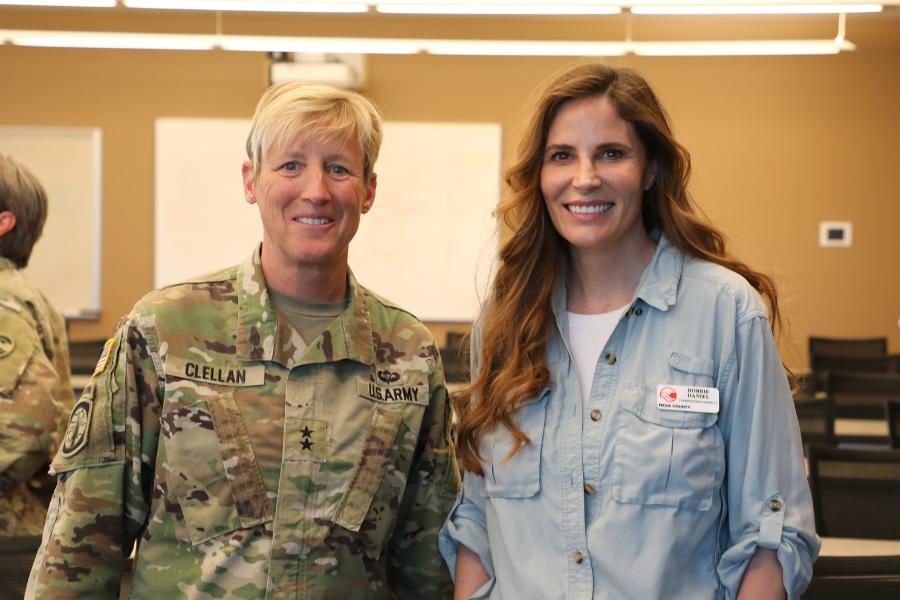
pixel 668 394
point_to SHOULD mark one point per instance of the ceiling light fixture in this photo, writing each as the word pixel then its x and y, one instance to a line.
pixel 523 48
pixel 62 3
pixel 245 43
pixel 754 9
pixel 252 5
pixel 248 43
pixel 108 40
pixel 494 7
pixel 742 48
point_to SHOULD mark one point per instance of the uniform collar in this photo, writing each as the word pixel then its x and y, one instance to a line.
pixel 657 287
pixel 6 264
pixel 262 335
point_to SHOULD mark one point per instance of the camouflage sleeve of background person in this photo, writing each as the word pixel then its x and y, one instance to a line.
pixel 415 567
pixel 31 419
pixel 105 473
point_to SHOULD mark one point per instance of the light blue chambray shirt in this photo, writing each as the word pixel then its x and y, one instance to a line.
pixel 616 498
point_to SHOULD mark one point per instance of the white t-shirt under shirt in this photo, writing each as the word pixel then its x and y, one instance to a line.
pixel 587 337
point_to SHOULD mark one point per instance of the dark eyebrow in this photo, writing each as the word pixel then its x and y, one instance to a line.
pixel 558 147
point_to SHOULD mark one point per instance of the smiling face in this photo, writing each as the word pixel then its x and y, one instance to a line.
pixel 311 193
pixel 593 177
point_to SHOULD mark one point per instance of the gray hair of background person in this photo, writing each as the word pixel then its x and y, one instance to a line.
pixel 288 109
pixel 23 195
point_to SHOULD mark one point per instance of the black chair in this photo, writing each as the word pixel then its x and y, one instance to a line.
pixel 84 356
pixel 892 412
pixel 16 558
pixel 861 395
pixel 822 364
pixel 816 419
pixel 856 493
pixel 821 346
pixel 843 577
pixel 456 358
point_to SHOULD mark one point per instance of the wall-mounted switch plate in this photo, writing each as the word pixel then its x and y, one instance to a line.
pixel 835 234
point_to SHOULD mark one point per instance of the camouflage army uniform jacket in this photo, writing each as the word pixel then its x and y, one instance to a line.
pixel 248 465
pixel 35 398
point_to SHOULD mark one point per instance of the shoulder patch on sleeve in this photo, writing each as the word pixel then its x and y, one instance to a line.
pixel 79 424
pixel 17 344
pixel 89 437
pixel 7 345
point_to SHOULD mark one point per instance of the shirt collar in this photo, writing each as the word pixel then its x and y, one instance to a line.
pixel 262 335
pixel 657 287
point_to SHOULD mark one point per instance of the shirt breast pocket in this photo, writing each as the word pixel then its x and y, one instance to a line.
pixel 669 458
pixel 208 454
pixel 517 476
pixel 368 508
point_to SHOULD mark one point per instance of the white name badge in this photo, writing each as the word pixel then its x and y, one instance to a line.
pixel 687 398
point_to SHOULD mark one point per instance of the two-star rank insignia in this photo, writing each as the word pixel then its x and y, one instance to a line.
pixel 306 442
pixel 309 440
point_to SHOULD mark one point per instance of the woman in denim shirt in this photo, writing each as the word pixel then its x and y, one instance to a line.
pixel 629 431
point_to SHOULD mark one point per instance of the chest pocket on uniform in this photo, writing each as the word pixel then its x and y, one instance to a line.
pixel 200 440
pixel 520 475
pixel 669 458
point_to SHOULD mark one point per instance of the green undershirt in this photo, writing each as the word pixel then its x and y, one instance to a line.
pixel 308 318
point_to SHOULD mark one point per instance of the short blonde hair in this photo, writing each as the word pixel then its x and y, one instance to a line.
pixel 284 110
pixel 23 195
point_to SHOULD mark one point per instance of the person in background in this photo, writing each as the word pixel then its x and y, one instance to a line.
pixel 629 431
pixel 35 382
pixel 274 429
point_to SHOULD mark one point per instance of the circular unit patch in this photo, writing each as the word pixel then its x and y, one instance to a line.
pixel 77 431
pixel 7 345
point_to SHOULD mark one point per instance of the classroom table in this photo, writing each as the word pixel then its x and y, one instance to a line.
pixel 835 546
pixel 861 428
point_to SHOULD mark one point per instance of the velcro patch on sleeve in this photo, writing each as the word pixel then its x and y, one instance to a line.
pixel 109 349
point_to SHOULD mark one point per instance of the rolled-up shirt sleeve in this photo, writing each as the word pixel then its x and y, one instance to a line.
pixel 768 498
pixel 466 525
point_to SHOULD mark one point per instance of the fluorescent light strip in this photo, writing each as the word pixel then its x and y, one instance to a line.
pixel 247 43
pixel 742 48
pixel 172 41
pixel 157 41
pixel 523 48
pixel 755 9
pixel 497 8
pixel 251 6
pixel 66 3
pixel 123 41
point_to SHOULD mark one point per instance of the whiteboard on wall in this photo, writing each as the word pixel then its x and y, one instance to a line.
pixel 65 262
pixel 427 244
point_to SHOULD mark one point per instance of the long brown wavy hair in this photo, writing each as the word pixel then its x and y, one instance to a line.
pixel 517 317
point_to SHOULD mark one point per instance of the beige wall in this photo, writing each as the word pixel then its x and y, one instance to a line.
pixel 779 143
